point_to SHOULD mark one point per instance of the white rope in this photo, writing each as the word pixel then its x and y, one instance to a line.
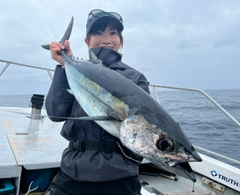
pixel 126 155
pixel 29 188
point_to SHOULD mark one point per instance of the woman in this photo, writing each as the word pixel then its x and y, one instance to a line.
pixel 93 164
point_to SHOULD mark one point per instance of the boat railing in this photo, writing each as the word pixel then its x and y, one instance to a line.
pixel 154 86
pixel 8 63
pixel 202 150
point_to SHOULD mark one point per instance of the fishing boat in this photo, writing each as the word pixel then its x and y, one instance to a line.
pixel 31 148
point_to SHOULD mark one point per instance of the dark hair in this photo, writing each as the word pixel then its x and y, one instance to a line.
pixel 101 27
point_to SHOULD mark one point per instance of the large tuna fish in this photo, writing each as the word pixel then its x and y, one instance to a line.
pixel 137 119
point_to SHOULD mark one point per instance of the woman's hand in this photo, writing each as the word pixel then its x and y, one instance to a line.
pixel 55 49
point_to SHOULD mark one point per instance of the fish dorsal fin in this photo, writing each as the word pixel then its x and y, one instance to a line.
pixel 93 57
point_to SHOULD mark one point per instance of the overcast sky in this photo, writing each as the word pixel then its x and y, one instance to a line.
pixel 187 43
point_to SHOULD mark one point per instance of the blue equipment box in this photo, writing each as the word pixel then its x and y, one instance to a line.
pixel 6 187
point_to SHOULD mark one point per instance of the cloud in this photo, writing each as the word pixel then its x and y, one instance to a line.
pixel 231 42
pixel 170 41
pixel 186 44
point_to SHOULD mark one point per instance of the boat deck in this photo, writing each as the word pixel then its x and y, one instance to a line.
pixel 35 144
pixel 28 143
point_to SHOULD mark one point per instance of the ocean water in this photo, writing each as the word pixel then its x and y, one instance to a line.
pixel 203 123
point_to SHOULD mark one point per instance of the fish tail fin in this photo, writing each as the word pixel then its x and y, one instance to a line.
pixel 65 37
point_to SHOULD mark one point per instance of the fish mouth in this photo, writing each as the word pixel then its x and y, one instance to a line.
pixel 186 168
pixel 193 156
pixel 183 166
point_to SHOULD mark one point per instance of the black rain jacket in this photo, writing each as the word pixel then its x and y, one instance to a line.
pixel 90 165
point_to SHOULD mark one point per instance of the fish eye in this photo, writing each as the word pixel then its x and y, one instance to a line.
pixel 165 144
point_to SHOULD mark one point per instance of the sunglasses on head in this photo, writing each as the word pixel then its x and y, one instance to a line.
pixel 98 13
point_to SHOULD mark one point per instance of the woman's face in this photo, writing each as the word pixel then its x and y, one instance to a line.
pixel 108 38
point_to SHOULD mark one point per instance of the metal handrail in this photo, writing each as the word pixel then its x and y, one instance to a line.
pixel 195 90
pixel 216 155
pixel 29 66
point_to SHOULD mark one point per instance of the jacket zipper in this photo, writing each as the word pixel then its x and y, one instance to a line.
pixel 76 167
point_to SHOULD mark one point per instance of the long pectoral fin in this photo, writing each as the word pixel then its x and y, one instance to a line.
pixel 88 118
pixel 96 118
